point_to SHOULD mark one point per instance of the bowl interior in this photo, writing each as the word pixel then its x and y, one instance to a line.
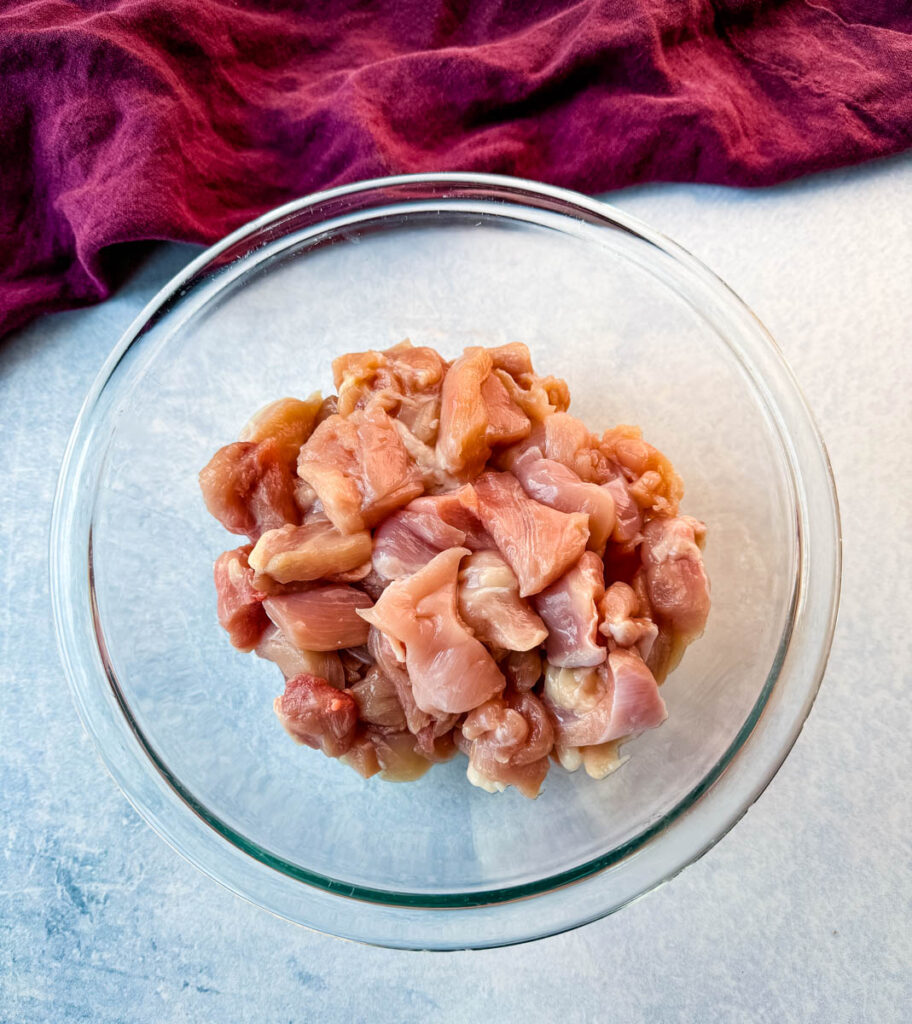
pixel 608 313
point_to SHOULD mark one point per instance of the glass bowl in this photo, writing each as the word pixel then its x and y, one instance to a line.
pixel 644 334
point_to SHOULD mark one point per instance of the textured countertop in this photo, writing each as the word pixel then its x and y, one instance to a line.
pixel 802 913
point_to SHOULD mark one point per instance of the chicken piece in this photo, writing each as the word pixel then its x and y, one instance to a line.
pixel 362 754
pixel 359 468
pixel 399 756
pixel 538 397
pixel 522 669
pixel 249 488
pixel 385 656
pixel 556 486
pixel 378 702
pixel 441 518
pixel 462 448
pixel 628 514
pixel 394 755
pixel 310 552
pixel 513 358
pixel 599 761
pixel 676 580
pixel 569 611
pixel 449 670
pixel 620 621
pixel 538 543
pixel 489 603
pixel 409 538
pixel 317 714
pixel 508 741
pixel 288 421
pixel 565 438
pixel 404 381
pixel 274 646
pixel 477 413
pixel 240 604
pixel 666 653
pixel 434 476
pixel 594 706
pixel 329 407
pixel 397 551
pixel 436 741
pixel 654 482
pixel 506 422
pixel 323 618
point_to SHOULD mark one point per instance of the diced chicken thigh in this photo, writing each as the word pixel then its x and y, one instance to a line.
pixel 317 714
pixel 240 604
pixel 593 706
pixel 556 486
pixel 287 421
pixel 538 543
pixel 359 468
pixel 449 670
pixel 508 741
pixel 323 618
pixel 676 580
pixel 249 488
pixel 489 603
pixel 274 646
pixel 569 611
pixel 309 552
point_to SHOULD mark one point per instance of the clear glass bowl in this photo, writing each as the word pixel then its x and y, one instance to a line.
pixel 644 334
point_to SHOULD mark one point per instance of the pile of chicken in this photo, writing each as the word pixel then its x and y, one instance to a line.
pixel 443 559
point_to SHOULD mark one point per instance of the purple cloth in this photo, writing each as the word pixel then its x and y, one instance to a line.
pixel 127 120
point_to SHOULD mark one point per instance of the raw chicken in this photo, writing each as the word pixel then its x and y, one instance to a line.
pixel 655 484
pixel 249 488
pixel 538 397
pixel 276 647
pixel 556 486
pixel 378 702
pixel 621 622
pixel 508 741
pixel 506 422
pixel 593 706
pixel 385 656
pixel 461 444
pixel 287 421
pixel 323 618
pixel 445 559
pixel 404 381
pixel 521 669
pixel 628 515
pixel 410 538
pixel 489 603
pixel 398 551
pixel 538 543
pixel 675 578
pixel 317 714
pixel 359 468
pixel 569 610
pixel 309 552
pixel 477 413
pixel 450 671
pixel 394 755
pixel 240 606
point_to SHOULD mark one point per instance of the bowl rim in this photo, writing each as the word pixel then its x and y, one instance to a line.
pixel 68 546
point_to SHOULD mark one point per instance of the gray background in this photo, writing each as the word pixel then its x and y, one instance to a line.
pixel 800 914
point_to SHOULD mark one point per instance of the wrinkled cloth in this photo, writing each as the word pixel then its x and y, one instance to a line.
pixel 130 120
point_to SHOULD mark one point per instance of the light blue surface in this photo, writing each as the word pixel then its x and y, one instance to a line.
pixel 800 914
